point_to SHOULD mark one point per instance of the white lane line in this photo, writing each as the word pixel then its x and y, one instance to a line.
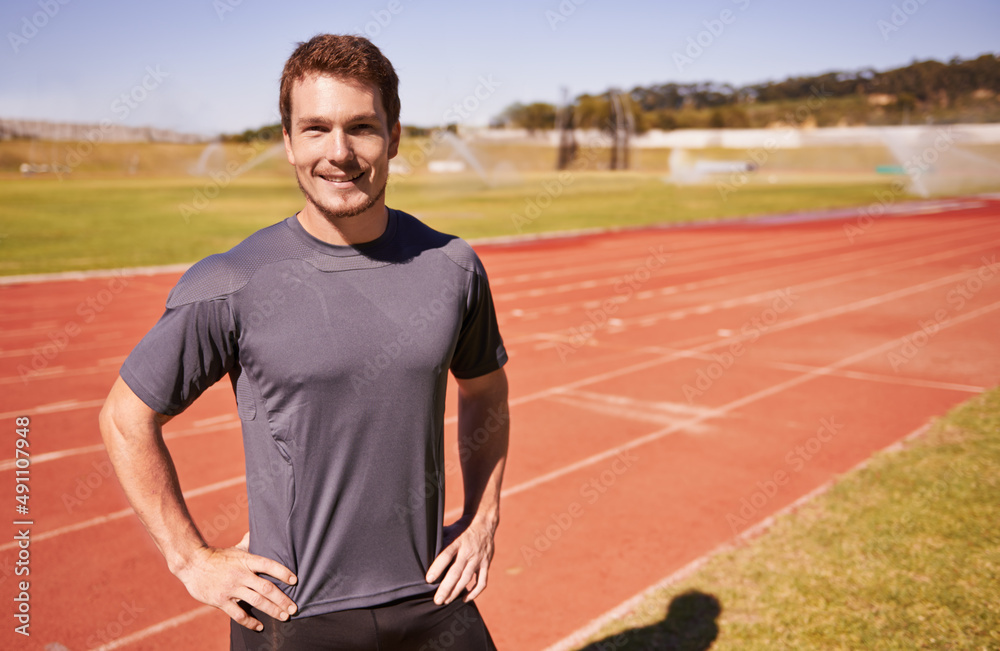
pixel 706 265
pixel 53 371
pixel 729 247
pixel 173 622
pixel 661 406
pixel 105 340
pixel 100 330
pixel 725 409
pixel 53 407
pixel 795 269
pixel 749 299
pixel 124 513
pixel 791 366
pixel 215 420
pixel 579 637
pixel 798 266
pixel 721 226
pixel 99 273
pixel 777 327
pixel 680 313
pixel 8 464
pixel 41 374
pixel 901 380
pixel 720 343
pixel 644 411
pixel 885 379
pixel 621 254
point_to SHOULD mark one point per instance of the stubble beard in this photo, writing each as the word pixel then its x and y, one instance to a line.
pixel 332 215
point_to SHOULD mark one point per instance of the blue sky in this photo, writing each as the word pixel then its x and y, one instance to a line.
pixel 217 62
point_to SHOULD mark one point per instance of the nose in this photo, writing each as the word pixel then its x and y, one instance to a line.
pixel 338 147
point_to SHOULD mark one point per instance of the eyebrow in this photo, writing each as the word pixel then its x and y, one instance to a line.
pixel 319 119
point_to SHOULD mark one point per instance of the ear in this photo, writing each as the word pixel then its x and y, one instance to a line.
pixel 288 146
pixel 394 136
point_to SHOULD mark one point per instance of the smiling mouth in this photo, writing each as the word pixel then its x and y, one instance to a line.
pixel 346 180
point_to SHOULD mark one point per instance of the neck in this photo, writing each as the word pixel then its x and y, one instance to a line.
pixel 341 231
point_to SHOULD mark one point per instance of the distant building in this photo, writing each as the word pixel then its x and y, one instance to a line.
pixel 106 132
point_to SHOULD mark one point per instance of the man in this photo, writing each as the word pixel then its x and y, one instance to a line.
pixel 337 328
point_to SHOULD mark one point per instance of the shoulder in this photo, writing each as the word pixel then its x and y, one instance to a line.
pixel 420 236
pixel 222 274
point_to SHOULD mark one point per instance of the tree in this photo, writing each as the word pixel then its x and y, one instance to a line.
pixel 532 117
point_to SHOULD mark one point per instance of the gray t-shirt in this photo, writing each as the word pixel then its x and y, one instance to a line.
pixel 339 358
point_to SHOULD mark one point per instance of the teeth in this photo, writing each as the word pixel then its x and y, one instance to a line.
pixel 344 180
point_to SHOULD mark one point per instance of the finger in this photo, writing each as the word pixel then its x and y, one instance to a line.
pixel 270 567
pixel 468 576
pixel 244 543
pixel 240 616
pixel 458 577
pixel 440 564
pixel 260 602
pixel 273 595
pixel 480 582
pixel 448 582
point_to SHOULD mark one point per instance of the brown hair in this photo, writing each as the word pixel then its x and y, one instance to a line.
pixel 353 57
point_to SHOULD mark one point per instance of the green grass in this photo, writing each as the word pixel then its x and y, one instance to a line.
pixel 902 554
pixel 540 202
pixel 102 216
pixel 48 225
pixel 107 222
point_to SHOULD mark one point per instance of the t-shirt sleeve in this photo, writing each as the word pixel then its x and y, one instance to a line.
pixel 190 348
pixel 480 348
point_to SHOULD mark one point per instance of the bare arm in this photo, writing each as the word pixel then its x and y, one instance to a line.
pixel 483 432
pixel 216 576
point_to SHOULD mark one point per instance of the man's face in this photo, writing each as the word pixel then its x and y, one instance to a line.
pixel 340 145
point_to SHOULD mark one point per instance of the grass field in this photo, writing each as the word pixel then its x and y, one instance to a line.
pixel 51 225
pixel 129 204
pixel 901 554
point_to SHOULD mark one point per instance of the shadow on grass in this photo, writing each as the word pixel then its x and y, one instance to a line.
pixel 690 624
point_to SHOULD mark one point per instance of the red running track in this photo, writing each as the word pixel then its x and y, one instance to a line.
pixel 659 377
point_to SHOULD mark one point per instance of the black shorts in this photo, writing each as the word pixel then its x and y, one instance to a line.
pixel 412 624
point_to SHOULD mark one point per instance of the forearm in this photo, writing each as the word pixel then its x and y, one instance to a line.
pixel 217 577
pixel 483 434
pixel 147 474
